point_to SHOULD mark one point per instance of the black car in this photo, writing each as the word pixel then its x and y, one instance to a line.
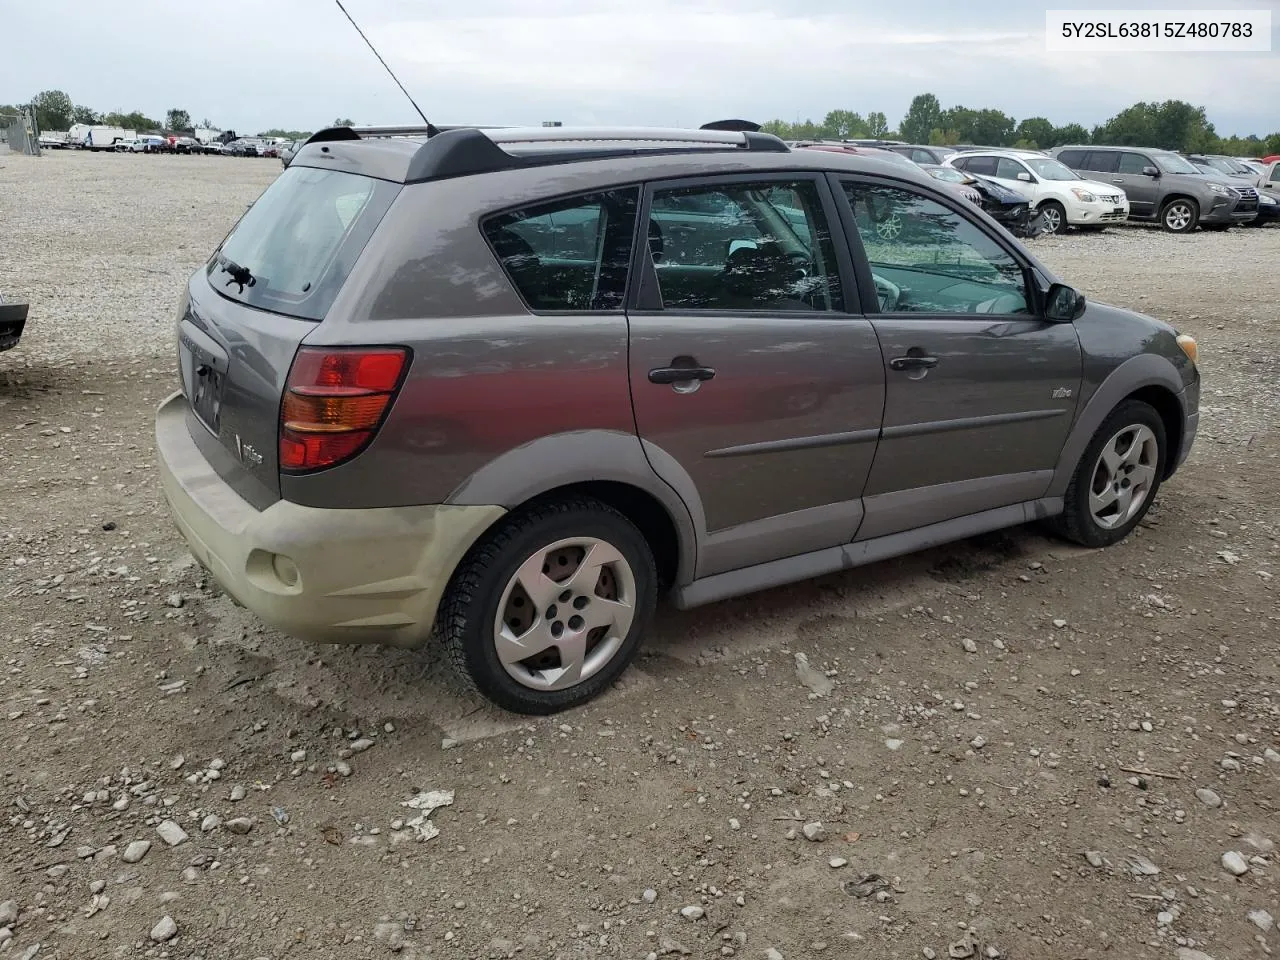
pixel 1005 206
pixel 13 317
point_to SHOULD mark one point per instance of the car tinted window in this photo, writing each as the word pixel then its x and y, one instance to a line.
pixel 1008 169
pixel 299 240
pixel 569 254
pixel 923 156
pixel 926 258
pixel 1102 161
pixel 1073 158
pixel 961 163
pixel 1132 163
pixel 983 165
pixel 1275 173
pixel 766 246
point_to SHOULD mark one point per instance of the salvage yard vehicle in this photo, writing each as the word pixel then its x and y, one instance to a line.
pixel 1062 198
pixel 13 319
pixel 501 389
pixel 1004 206
pixel 1163 186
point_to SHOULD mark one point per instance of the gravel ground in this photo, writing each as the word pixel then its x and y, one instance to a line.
pixel 1003 748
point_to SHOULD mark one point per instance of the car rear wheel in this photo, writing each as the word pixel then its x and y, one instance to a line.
pixel 1179 216
pixel 1117 478
pixel 1054 216
pixel 547 611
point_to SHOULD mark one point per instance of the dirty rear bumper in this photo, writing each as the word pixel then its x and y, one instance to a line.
pixel 337 576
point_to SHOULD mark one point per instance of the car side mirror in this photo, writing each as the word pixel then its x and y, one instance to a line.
pixel 1024 177
pixel 1150 171
pixel 1063 304
pixel 736 245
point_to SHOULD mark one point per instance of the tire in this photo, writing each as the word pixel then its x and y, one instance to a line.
pixel 1054 215
pixel 1084 519
pixel 491 580
pixel 1179 215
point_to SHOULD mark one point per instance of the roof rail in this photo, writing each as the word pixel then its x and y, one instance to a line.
pixel 333 134
pixel 469 150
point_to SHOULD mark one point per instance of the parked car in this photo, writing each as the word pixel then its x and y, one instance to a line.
pixel 1006 207
pixel 729 406
pixel 957 181
pixel 1162 186
pixel 150 143
pixel 1268 211
pixel 127 145
pixel 243 147
pixel 184 145
pixel 923 154
pixel 1269 179
pixel 1060 196
pixel 1227 166
pixel 213 147
pixel 287 151
pixel 13 319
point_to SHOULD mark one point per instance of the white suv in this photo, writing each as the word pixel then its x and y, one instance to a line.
pixel 1062 196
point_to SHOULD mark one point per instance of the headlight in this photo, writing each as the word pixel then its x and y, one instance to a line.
pixel 1188 345
pixel 1219 188
pixel 1267 201
pixel 1083 195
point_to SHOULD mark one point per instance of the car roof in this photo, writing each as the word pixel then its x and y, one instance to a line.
pixel 577 157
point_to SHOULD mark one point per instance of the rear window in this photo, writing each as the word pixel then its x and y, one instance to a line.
pixel 292 250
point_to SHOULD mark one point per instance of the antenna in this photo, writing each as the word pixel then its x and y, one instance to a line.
pixel 431 130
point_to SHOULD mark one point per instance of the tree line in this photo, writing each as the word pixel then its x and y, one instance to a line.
pixel 55 110
pixel 1170 124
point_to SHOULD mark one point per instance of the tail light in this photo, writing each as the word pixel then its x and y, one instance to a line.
pixel 334 401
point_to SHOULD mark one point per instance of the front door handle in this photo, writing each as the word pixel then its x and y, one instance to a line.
pixel 913 363
pixel 680 374
pixel 1116 180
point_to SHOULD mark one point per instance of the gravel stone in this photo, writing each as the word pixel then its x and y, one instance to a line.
pixel 1262 920
pixel 1208 797
pixel 238 825
pixel 650 895
pixel 1234 863
pixel 8 913
pixel 692 912
pixel 814 831
pixel 135 851
pixel 165 930
pixel 171 833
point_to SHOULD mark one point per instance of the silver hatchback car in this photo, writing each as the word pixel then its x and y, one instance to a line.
pixel 505 387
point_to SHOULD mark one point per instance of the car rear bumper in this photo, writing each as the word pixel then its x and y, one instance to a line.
pixel 326 575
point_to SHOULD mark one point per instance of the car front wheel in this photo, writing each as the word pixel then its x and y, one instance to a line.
pixel 1054 216
pixel 1117 478
pixel 1179 216
pixel 547 611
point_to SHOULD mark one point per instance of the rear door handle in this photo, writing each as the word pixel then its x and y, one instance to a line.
pixel 680 374
pixel 1116 180
pixel 913 363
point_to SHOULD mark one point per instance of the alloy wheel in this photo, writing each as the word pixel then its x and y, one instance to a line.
pixel 1052 219
pixel 1177 217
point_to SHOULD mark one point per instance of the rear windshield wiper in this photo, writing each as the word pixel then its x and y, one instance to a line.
pixel 239 275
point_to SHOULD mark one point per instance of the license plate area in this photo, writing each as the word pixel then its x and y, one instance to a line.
pixel 204 375
pixel 206 390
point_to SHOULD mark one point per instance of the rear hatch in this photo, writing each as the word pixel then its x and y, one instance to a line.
pixel 268 285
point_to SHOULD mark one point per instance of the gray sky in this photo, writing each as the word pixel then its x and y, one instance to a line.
pixel 253 64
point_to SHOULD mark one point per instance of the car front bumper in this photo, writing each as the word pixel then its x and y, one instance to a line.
pixel 326 575
pixel 1189 400
pixel 1225 210
pixel 1084 214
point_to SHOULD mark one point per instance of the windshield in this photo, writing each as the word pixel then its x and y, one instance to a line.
pixel 1047 168
pixel 1172 163
pixel 293 248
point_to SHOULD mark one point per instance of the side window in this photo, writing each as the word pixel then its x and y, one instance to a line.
pixel 1073 159
pixel 1275 173
pixel 1008 169
pixel 570 254
pixel 983 166
pixel 766 246
pixel 961 163
pixel 922 156
pixel 926 258
pixel 1132 163
pixel 1104 161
